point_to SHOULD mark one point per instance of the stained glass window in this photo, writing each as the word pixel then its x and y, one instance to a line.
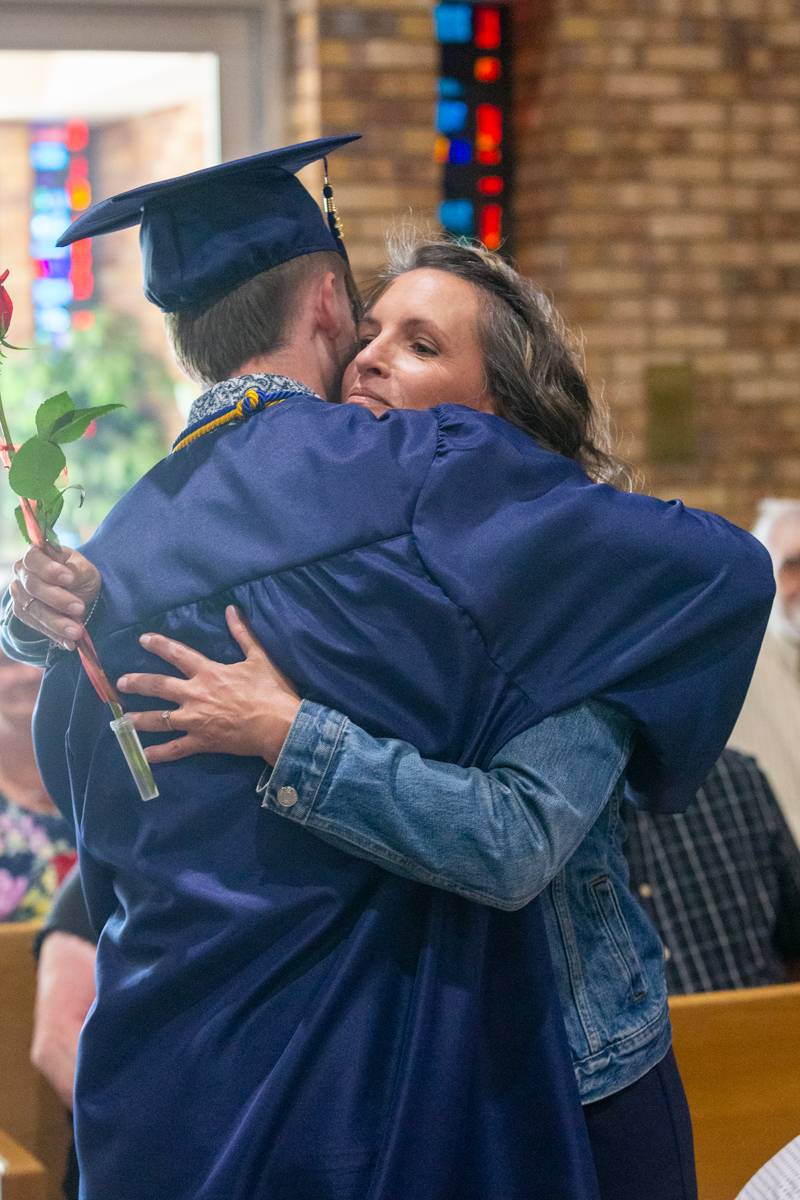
pixel 472 120
pixel 63 286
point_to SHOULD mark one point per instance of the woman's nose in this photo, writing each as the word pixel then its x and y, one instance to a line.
pixel 371 359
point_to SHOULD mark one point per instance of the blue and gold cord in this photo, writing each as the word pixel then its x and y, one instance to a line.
pixel 253 401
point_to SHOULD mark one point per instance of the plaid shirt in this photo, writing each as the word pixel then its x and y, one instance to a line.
pixel 720 882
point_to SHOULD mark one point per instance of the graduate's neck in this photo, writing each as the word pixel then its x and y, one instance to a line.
pixel 290 363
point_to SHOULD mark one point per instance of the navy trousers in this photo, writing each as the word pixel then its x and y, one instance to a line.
pixel 642 1139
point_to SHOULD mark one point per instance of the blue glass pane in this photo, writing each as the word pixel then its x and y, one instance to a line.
pixel 460 151
pixel 45 199
pixel 451 116
pixel 49 156
pixel 450 89
pixel 57 268
pixel 458 216
pixel 52 320
pixel 39 248
pixel 47 293
pixel 48 226
pixel 453 22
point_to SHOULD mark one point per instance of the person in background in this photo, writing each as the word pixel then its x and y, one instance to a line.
pixel 36 844
pixel 721 882
pixel 65 990
pixel 769 722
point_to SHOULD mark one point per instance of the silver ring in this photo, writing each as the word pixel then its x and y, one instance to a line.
pixel 28 603
pixel 166 721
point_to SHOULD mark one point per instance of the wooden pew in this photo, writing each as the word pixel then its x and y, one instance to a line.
pixel 31 1115
pixel 22 1177
pixel 738 1055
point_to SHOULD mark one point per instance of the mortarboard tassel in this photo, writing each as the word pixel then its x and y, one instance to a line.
pixel 329 205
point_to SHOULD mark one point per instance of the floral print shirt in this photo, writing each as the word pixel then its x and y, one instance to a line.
pixel 36 852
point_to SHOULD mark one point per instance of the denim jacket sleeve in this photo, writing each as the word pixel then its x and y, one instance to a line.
pixel 17 640
pixel 497 836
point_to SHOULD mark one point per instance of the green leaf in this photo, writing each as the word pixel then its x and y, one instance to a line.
pixel 21 523
pixel 36 466
pixel 48 413
pixel 74 425
pixel 49 507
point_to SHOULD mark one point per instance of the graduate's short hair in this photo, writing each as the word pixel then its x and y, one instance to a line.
pixel 533 365
pixel 211 343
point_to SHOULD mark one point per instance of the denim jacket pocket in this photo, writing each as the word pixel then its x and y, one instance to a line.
pixel 616 929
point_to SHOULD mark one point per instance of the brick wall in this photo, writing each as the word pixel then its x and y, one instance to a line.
pixel 367 66
pixel 658 200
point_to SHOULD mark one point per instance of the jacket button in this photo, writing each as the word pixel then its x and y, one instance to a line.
pixel 287 796
pixel 645 891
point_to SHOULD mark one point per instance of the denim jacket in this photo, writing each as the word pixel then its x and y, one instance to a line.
pixel 544 818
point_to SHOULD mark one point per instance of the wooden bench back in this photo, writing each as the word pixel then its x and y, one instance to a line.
pixel 739 1056
pixel 30 1112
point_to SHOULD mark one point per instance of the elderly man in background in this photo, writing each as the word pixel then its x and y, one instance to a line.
pixel 769 725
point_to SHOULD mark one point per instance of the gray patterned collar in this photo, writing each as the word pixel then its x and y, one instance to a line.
pixel 224 394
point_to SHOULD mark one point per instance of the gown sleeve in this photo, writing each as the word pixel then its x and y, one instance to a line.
pixel 581 591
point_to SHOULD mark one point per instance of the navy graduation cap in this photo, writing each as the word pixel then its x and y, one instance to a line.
pixel 204 234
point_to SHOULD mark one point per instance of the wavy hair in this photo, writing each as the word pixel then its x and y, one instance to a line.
pixel 532 363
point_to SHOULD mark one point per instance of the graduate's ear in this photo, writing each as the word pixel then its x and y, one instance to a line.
pixel 333 311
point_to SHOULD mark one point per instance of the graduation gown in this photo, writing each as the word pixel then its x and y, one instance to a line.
pixel 276 1019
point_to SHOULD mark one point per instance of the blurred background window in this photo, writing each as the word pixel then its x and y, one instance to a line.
pixel 76 126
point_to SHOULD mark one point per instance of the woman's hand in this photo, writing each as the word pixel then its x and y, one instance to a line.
pixel 53 589
pixel 242 708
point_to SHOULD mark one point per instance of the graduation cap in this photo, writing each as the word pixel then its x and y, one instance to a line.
pixel 204 234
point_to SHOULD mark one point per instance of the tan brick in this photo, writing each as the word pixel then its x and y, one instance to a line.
pixel 685 169
pixel 730 362
pixel 764 389
pixel 762 170
pixel 785 254
pixel 761 114
pixel 690 112
pixel 684 57
pixel 416 27
pixel 585 140
pixel 727 196
pixel 579 29
pixel 377 53
pixel 606 281
pixel 643 85
pixel 687 225
pixel 690 337
pixel 786 199
pixel 783 33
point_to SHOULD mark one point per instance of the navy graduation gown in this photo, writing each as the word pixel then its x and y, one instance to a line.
pixel 276 1019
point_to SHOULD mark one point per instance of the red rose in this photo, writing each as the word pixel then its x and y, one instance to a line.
pixel 6 307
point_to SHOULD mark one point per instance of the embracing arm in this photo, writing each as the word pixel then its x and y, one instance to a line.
pixel 497 836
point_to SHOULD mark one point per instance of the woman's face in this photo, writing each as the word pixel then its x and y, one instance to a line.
pixel 420 347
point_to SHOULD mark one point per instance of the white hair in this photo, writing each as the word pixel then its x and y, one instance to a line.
pixel 770 511
pixel 782 623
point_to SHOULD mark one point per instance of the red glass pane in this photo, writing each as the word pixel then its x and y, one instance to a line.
pixel 490 185
pixel 491 226
pixel 77 136
pixel 488 158
pixel 487 28
pixel 487 69
pixel 84 319
pixel 489 125
pixel 79 167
